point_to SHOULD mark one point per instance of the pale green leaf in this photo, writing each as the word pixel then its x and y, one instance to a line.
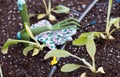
pixel 40 16
pixel 28 30
pixel 85 34
pixel 91 48
pixel 100 70
pixel 116 22
pixel 27 49
pixel 35 52
pixel 61 9
pixel 57 53
pixel 83 74
pixel 70 67
pixel 80 41
pixel 11 42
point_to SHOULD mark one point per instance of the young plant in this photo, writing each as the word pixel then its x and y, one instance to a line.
pixel 110 22
pixel 35 46
pixel 72 67
pixel 58 10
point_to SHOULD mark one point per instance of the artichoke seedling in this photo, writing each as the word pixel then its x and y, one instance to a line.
pixel 72 67
pixel 58 10
pixel 110 22
pixel 35 46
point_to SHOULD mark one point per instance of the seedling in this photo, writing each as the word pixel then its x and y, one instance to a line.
pixel 35 46
pixel 110 22
pixel 72 67
pixel 58 10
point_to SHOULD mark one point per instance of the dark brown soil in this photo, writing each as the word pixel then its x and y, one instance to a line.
pixel 15 64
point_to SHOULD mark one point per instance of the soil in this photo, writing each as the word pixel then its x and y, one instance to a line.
pixel 15 64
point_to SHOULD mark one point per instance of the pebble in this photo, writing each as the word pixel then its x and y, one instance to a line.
pixel 93 22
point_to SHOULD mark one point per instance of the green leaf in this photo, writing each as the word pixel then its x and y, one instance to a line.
pixel 35 52
pixel 116 22
pixel 91 48
pixel 27 49
pixel 85 34
pixel 61 9
pixel 57 53
pixel 80 41
pixel 28 30
pixel 11 42
pixel 70 67
pixel 40 16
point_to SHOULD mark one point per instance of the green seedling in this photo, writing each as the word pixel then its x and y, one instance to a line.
pixel 110 22
pixel 58 10
pixel 73 67
pixel 35 46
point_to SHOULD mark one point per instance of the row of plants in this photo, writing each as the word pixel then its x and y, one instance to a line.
pixel 85 39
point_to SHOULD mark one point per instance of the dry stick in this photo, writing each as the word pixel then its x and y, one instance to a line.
pixel 53 69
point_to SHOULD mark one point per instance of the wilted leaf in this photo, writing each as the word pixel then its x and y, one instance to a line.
pixel 28 30
pixel 100 70
pixel 70 67
pixel 80 41
pixel 35 52
pixel 91 48
pixel 27 49
pixel 61 9
pixel 83 74
pixel 40 16
pixel 57 53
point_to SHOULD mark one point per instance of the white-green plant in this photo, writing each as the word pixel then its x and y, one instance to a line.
pixel 73 67
pixel 57 9
pixel 35 46
pixel 110 22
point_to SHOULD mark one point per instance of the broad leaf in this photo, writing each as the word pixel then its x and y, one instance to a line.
pixel 57 53
pixel 11 42
pixel 80 41
pixel 40 16
pixel 28 30
pixel 85 34
pixel 91 48
pixel 7 44
pixel 35 52
pixel 61 9
pixel 27 49
pixel 70 67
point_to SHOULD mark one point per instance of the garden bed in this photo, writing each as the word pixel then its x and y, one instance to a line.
pixel 15 64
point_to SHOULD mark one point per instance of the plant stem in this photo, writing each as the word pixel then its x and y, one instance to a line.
pixel 83 60
pixel 1 74
pixel 46 8
pixel 108 17
pixel 49 7
pixel 93 65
